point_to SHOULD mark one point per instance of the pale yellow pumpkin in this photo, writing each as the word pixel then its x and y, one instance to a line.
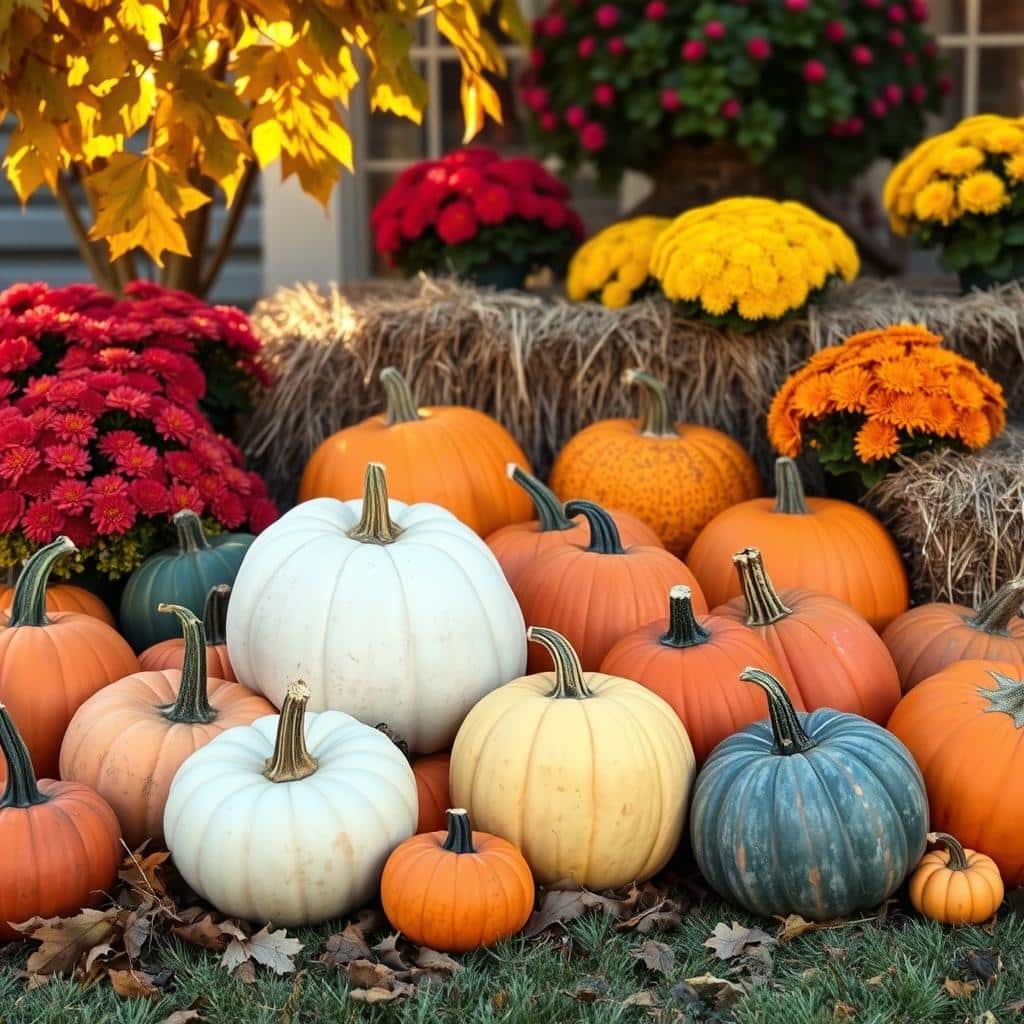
pixel 587 774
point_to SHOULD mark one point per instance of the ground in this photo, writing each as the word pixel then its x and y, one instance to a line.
pixel 897 968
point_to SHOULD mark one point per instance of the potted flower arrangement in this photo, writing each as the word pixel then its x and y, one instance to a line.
pixel 614 267
pixel 963 191
pixel 813 90
pixel 478 216
pixel 881 394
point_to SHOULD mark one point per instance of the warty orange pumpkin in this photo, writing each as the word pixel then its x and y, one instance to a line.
pixel 171 653
pixel 451 455
pixel 834 547
pixel 676 477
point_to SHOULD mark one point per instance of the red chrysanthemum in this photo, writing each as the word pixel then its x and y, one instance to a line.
pixel 16 461
pixel 183 466
pixel 174 423
pixel 144 382
pixel 456 223
pixel 151 496
pixel 108 486
pixel 185 496
pixel 229 509
pixel 42 522
pixel 15 429
pixel 66 393
pixel 137 460
pixel 129 400
pixel 38 482
pixel 211 485
pixel 117 441
pixel 212 454
pixel 112 513
pixel 68 458
pixel 262 513
pixel 12 506
pixel 74 426
pixel 79 531
pixel 17 354
pixel 492 204
pixel 70 495
pixel 118 358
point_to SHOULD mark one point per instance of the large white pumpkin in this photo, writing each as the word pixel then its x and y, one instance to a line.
pixel 396 614
pixel 291 819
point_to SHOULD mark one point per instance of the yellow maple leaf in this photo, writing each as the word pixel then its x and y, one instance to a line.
pixel 34 155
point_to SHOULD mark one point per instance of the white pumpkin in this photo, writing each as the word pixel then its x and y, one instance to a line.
pixel 291 819
pixel 396 614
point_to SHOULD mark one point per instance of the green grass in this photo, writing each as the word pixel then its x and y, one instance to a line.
pixel 889 972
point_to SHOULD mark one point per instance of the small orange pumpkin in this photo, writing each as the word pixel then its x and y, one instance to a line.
pixel 676 477
pixel 831 655
pixel 128 740
pixel 65 597
pixel 451 455
pixel 171 653
pixel 695 663
pixel 595 595
pixel 926 639
pixel 834 547
pixel 457 890
pixel 515 546
pixel 431 774
pixel 60 840
pixel 954 885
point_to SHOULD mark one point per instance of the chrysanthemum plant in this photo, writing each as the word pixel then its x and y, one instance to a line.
pixel 472 212
pixel 883 394
pixel 614 267
pixel 963 192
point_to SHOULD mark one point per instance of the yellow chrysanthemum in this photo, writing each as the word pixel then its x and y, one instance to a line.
pixel 615 262
pixel 1004 139
pixel 1014 167
pixel 615 295
pixel 961 160
pixel 936 201
pixel 983 192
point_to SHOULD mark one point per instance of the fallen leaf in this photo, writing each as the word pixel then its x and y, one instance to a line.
pixel 960 989
pixel 245 972
pixel 367 974
pixel 64 941
pixel 1017 1006
pixel 271 949
pixel 379 994
pixel 431 960
pixel 560 906
pixel 138 928
pixel 143 872
pixel 589 990
pixel 293 998
pixel 793 927
pixel 388 952
pixel 722 992
pixel 133 984
pixel 344 947
pixel 663 916
pixel 190 1015
pixel 656 956
pixel 641 999
pixel 988 1017
pixel 204 932
pixel 729 942
pixel 836 952
pixel 843 1011
pixel 984 964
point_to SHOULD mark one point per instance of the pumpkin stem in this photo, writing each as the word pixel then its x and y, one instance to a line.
pixel 191 535
pixel 215 615
pixel 1007 698
pixel 658 420
pixel 22 789
pixel 683 628
pixel 995 615
pixel 957 860
pixel 395 738
pixel 790 499
pixel 376 525
pixel 460 831
pixel 400 405
pixel 192 705
pixel 787 731
pixel 569 681
pixel 291 760
pixel 545 504
pixel 604 534
pixel 764 606
pixel 29 605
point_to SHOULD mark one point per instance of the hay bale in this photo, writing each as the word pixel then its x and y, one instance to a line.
pixel 958 519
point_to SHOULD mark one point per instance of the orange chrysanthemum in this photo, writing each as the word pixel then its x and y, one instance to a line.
pixel 941 416
pixel 876 441
pixel 964 393
pixel 850 389
pixel 813 397
pixel 901 374
pixel 973 429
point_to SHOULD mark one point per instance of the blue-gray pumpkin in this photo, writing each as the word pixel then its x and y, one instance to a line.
pixel 181 575
pixel 818 815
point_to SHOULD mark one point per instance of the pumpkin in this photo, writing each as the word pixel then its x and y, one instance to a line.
pixel 451 455
pixel 965 728
pixel 179 575
pixel 61 842
pixel 818 815
pixel 65 597
pixel 171 653
pixel 926 639
pixel 955 886
pixel 597 594
pixel 587 774
pixel 431 774
pixel 822 544
pixel 292 818
pixel 829 653
pixel 51 663
pixel 457 890
pixel 369 600
pixel 128 740
pixel 517 545
pixel 676 477
pixel 694 664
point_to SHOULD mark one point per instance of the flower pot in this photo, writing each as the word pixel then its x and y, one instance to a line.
pixel 501 276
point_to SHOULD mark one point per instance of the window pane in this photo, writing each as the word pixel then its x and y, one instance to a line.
pixel 1001 80
pixel 395 138
pixel 506 136
pixel 948 15
pixel 953 104
pixel 1002 16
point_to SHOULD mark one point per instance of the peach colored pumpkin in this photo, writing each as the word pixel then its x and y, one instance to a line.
pixel 171 653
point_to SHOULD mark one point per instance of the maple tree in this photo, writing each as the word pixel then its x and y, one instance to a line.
pixel 149 109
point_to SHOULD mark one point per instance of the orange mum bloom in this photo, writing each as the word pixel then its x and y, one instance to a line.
pixel 973 429
pixel 909 412
pixel 901 374
pixel 813 396
pixel 941 416
pixel 876 441
pixel 850 389
pixel 964 393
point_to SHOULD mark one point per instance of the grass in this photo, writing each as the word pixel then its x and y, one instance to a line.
pixel 887 972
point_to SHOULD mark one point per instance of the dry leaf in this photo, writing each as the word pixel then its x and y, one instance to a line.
pixel 271 949
pixel 719 991
pixel 500 999
pixel 65 941
pixel 664 916
pixel 142 871
pixel 133 984
pixel 559 906
pixel 646 998
pixel 204 932
pixel 793 927
pixel 432 960
pixel 985 965
pixel 836 952
pixel 344 947
pixel 656 956
pixel 388 953
pixel 367 974
pixel 245 972
pixel 379 994
pixel 988 1017
pixel 960 989
pixel 589 990
pixel 843 1011
pixel 190 1015
pixel 729 942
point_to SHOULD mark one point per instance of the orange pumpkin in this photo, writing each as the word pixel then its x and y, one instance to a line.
pixel 457 890
pixel 515 546
pixel 51 663
pixel 676 477
pixel 926 639
pixel 831 655
pixel 595 595
pixel 695 663
pixel 171 653
pixel 128 740
pixel 60 840
pixel 65 597
pixel 965 729
pixel 448 454
pixel 431 774
pixel 955 886
pixel 822 544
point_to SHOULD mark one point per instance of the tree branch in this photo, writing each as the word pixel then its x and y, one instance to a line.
pixel 227 238
pixel 102 272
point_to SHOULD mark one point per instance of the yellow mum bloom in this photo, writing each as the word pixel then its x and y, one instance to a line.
pixel 615 295
pixel 615 262
pixel 1004 139
pixel 936 201
pixel 961 160
pixel 1014 167
pixel 983 192
pixel 716 298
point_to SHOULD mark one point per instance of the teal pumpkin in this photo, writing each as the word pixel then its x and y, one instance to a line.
pixel 181 575
pixel 818 815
